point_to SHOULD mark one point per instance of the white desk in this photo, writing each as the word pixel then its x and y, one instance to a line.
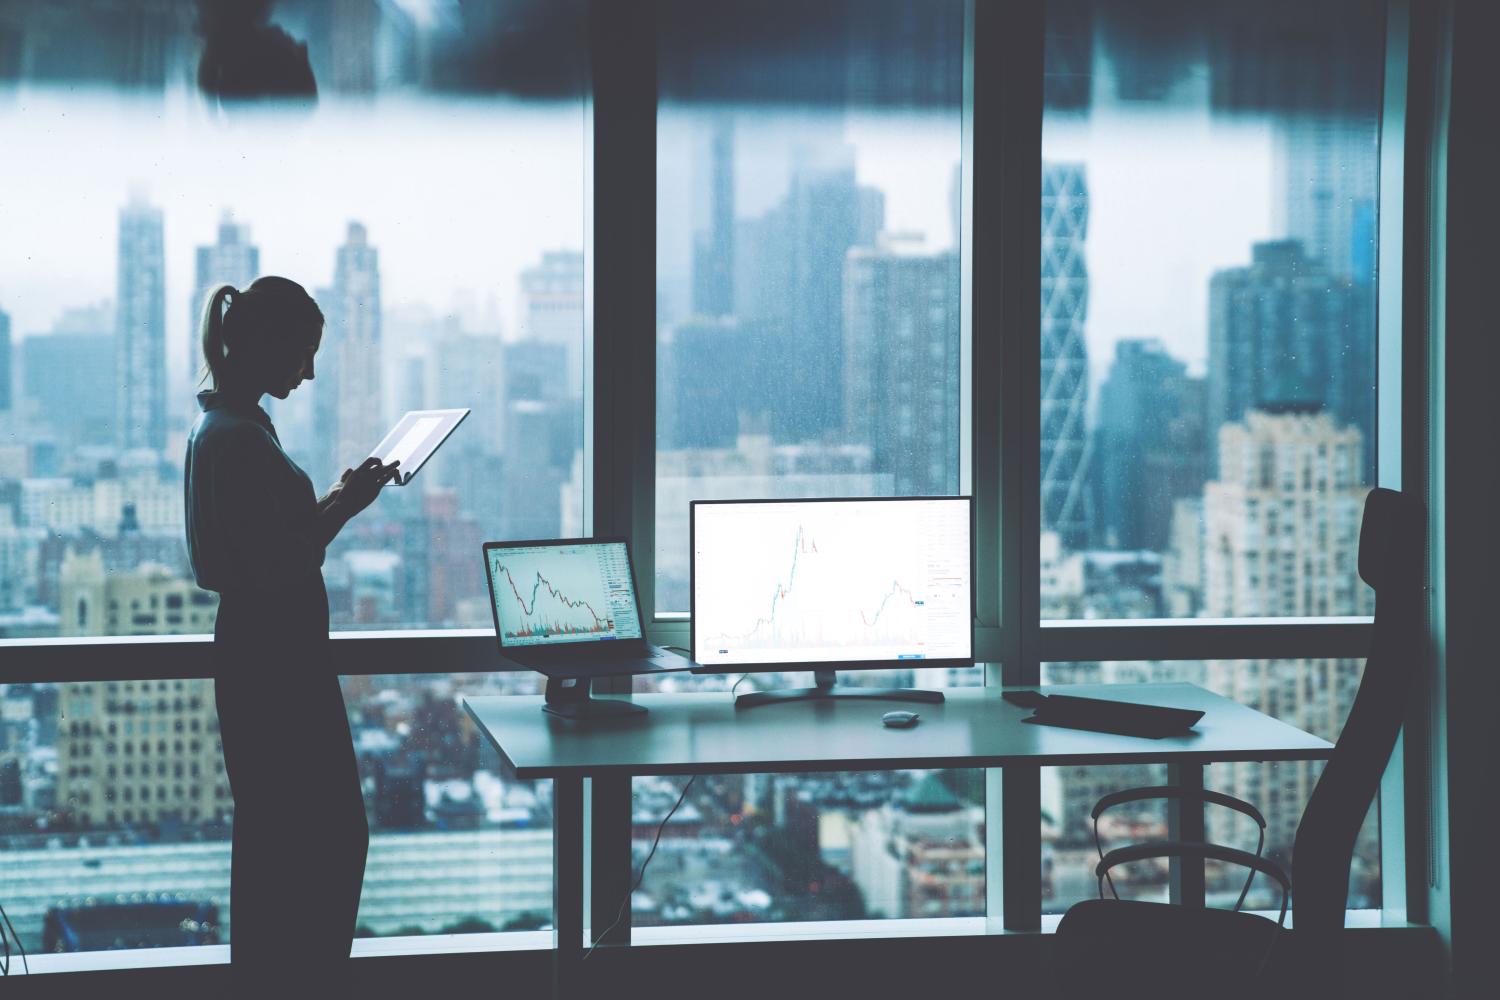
pixel 704 734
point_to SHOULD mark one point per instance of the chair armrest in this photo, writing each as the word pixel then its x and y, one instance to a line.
pixel 1179 792
pixel 1189 849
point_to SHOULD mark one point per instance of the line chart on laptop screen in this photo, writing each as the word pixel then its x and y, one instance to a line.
pixel 563 593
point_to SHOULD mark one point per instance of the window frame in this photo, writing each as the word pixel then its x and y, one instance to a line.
pixel 1003 62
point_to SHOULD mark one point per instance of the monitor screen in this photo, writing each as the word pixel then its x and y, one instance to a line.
pixel 557 592
pixel 832 581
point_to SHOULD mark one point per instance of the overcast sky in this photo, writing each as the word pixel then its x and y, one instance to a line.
pixel 460 197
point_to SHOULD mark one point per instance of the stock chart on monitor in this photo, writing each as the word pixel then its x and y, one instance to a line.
pixel 840 581
pixel 569 592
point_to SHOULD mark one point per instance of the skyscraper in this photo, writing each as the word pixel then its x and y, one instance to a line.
pixel 1285 331
pixel 1326 167
pixel 788 273
pixel 70 373
pixel 141 329
pixel 542 435
pixel 1065 379
pixel 231 260
pixel 552 308
pixel 348 403
pixel 713 251
pixel 1281 538
pixel 902 340
pixel 1150 445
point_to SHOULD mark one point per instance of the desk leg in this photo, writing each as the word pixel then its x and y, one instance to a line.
pixel 567 886
pixel 1185 822
pixel 609 858
pixel 1021 881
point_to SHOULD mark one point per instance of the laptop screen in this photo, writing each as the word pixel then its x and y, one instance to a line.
pixel 562 592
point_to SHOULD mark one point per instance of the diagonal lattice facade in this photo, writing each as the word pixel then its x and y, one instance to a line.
pixel 1065 378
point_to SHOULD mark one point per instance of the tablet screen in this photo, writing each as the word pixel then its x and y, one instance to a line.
pixel 415 437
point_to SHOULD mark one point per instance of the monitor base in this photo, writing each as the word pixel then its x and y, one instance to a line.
pixel 827 688
pixel 569 698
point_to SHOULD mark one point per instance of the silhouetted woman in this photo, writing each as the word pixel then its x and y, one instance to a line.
pixel 256 533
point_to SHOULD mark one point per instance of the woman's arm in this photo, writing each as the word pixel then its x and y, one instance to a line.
pixel 355 490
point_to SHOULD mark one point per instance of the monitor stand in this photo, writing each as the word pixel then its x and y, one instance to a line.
pixel 827 687
pixel 568 698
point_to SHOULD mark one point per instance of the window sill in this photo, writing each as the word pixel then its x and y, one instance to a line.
pixel 535 941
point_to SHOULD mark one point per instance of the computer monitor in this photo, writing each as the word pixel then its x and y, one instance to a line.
pixel 832 584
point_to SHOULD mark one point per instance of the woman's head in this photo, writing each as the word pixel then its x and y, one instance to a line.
pixel 261 339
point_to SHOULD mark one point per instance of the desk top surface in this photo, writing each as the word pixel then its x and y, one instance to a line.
pixel 706 734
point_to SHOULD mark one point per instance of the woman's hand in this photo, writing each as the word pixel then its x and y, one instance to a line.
pixel 358 488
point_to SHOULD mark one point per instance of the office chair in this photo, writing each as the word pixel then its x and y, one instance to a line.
pixel 1165 950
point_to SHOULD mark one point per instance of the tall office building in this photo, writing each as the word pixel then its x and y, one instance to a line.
pixel 1327 170
pixel 788 280
pixel 542 436
pixel 1286 331
pixel 713 250
pixel 231 260
pixel 902 340
pixel 138 752
pixel 1065 378
pixel 1281 538
pixel 141 329
pixel 5 356
pixel 70 374
pixel 552 308
pixel 723 384
pixel 348 402
pixel 1150 448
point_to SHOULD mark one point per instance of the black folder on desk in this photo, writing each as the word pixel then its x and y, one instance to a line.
pixel 1102 715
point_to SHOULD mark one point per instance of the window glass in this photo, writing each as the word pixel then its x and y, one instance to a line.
pixel 808 310
pixel 1208 306
pixel 116 815
pixel 854 845
pixel 1313 695
pixel 440 804
pixel 418 167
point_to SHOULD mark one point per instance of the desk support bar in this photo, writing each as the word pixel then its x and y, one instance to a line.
pixel 567 884
pixel 1188 886
pixel 1021 793
pixel 610 862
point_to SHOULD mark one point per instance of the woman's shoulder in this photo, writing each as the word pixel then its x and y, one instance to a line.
pixel 223 428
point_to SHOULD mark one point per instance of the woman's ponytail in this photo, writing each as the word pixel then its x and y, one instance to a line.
pixel 269 323
pixel 213 334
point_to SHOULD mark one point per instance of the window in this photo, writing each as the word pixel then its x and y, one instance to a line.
pixel 455 846
pixel 1209 194
pixel 1206 423
pixel 800 847
pixel 809 343
pixel 430 198
pixel 808 266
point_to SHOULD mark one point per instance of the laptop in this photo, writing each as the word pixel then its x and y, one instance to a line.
pixel 568 608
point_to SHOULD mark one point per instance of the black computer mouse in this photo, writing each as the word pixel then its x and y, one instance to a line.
pixel 900 720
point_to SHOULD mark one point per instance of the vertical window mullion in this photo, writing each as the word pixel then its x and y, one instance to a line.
pixel 622 57
pixel 1388 466
pixel 1007 117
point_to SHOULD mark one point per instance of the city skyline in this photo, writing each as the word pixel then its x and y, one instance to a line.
pixel 56 274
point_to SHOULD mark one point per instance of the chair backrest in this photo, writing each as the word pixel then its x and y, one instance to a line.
pixel 1391 545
